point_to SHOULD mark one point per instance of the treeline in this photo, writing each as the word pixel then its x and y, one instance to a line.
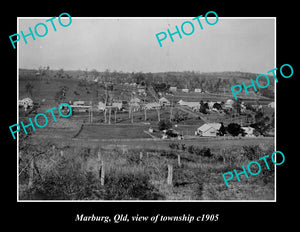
pixel 213 82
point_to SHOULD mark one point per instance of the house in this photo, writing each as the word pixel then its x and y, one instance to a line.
pixel 164 101
pixel 78 103
pixel 141 89
pixel 229 104
pixel 101 106
pixel 118 105
pixel 210 105
pixel 198 90
pixel 173 89
pixel 189 104
pixel 271 105
pixel 208 129
pixel 135 100
pixel 185 90
pixel 248 131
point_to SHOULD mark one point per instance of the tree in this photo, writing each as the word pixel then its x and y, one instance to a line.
pixel 237 105
pixel 164 125
pixel 29 88
pixel 222 130
pixel 235 129
pixel 203 107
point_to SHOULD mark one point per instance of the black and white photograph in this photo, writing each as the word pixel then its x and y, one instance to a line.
pixel 147 108
pixel 148 115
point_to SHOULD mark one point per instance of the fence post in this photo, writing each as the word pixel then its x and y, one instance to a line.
pixel 141 156
pixel 179 161
pixel 31 172
pixel 102 177
pixel 170 174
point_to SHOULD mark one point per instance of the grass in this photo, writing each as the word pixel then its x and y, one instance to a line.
pixel 130 176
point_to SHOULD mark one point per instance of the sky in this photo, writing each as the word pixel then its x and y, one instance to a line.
pixel 130 45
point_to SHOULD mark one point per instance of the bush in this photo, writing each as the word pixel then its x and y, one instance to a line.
pixel 130 186
pixel 205 152
pixel 235 129
pixel 191 149
pixel 174 146
pixel 252 152
pixel 164 125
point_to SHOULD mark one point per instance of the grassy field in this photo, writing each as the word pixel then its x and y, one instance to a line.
pixel 137 173
pixel 67 153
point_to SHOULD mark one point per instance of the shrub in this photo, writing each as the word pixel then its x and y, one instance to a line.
pixel 164 125
pixel 252 152
pixel 174 146
pixel 205 152
pixel 130 186
pixel 191 149
pixel 235 129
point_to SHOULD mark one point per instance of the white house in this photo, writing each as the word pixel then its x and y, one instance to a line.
pixel 118 105
pixel 189 104
pixel 208 129
pixel 164 101
pixel 198 90
pixel 135 100
pixel 101 106
pixel 229 103
pixel 248 131
pixel 185 90
pixel 78 103
pixel 173 88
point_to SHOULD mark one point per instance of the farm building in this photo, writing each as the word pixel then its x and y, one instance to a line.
pixel 185 90
pixel 208 129
pixel 78 103
pixel 141 89
pixel 135 101
pixel 198 90
pixel 101 106
pixel 189 104
pixel 118 105
pixel 248 131
pixel 173 89
pixel 164 101
pixel 229 104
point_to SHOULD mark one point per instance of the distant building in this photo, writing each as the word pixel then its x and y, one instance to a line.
pixel 135 100
pixel 185 90
pixel 78 103
pixel 248 131
pixel 164 101
pixel 118 105
pixel 141 89
pixel 208 129
pixel 198 90
pixel 173 89
pixel 229 104
pixel 101 106
pixel 189 104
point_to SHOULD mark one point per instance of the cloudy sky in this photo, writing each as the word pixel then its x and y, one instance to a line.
pixel 130 45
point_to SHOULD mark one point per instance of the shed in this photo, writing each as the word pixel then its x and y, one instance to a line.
pixel 173 88
pixel 164 101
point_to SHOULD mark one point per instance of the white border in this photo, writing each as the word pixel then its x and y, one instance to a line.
pixel 108 201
